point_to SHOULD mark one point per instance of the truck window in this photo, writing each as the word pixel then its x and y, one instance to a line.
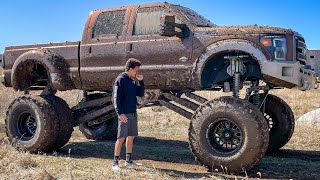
pixel 109 23
pixel 148 20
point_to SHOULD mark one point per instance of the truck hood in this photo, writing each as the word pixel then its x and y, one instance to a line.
pixel 241 30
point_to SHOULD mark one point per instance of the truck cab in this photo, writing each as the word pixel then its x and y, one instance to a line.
pixel 186 56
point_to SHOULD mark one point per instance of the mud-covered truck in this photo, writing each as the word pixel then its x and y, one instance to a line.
pixel 181 52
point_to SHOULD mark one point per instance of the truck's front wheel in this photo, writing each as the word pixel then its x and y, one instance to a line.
pixel 228 133
pixel 281 122
pixel 31 123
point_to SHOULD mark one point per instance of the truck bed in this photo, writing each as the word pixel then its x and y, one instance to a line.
pixel 13 52
pixel 68 50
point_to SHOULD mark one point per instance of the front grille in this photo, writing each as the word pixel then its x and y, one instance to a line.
pixel 301 50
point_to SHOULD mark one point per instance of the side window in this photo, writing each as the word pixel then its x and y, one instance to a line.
pixel 109 23
pixel 148 20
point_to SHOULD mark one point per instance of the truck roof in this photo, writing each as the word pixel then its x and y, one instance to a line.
pixel 145 4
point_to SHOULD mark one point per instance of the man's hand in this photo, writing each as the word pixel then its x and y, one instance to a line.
pixel 139 77
pixel 123 118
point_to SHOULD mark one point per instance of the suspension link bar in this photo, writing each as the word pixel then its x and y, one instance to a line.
pixel 196 98
pixel 94 114
pixel 102 119
pixel 175 108
pixel 92 103
pixel 184 102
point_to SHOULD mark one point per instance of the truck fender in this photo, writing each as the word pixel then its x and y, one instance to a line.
pixel 56 67
pixel 224 46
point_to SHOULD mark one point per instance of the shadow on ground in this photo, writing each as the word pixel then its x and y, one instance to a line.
pixel 290 164
pixel 144 148
pixel 285 164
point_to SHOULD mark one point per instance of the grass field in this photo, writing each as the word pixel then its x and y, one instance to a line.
pixel 162 148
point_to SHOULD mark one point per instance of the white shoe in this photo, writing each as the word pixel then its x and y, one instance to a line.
pixel 132 164
pixel 115 167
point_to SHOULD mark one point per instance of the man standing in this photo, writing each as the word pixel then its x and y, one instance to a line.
pixel 125 90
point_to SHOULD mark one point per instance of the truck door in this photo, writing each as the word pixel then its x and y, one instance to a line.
pixel 166 61
pixel 102 53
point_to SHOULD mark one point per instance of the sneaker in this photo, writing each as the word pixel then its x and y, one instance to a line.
pixel 115 167
pixel 131 163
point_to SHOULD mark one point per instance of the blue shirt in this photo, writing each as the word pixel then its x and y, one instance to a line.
pixel 125 91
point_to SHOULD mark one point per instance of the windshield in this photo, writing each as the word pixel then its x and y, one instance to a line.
pixel 193 17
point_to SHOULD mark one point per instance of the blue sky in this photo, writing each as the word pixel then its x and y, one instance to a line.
pixel 35 21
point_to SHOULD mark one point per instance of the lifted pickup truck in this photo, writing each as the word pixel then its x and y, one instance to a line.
pixel 181 53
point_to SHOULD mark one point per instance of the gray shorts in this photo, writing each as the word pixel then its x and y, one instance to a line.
pixel 130 128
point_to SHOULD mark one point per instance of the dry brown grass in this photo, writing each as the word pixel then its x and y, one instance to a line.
pixel 162 147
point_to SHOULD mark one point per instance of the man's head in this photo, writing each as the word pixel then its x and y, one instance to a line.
pixel 132 67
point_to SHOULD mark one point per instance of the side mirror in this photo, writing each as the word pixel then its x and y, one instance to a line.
pixel 168 27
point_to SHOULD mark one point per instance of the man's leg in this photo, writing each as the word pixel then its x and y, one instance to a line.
pixel 132 133
pixel 118 146
pixel 129 147
pixel 129 144
pixel 117 150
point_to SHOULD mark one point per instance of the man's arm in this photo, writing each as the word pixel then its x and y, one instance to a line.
pixel 117 94
pixel 140 89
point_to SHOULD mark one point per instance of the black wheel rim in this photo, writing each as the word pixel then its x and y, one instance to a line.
pixel 225 136
pixel 27 126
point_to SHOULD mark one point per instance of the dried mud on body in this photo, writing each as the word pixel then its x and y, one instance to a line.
pixel 162 147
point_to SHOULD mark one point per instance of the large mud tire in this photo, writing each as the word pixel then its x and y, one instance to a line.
pixel 66 121
pixel 281 122
pixel 249 133
pixel 105 131
pixel 31 123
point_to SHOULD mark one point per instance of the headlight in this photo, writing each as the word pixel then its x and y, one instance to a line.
pixel 276 45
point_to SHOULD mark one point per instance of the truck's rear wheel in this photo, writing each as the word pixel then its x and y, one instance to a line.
pixel 106 130
pixel 66 121
pixel 228 133
pixel 31 123
pixel 281 122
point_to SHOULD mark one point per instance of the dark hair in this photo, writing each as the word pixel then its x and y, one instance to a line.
pixel 132 63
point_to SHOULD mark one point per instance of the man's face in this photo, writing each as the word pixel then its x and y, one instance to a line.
pixel 135 71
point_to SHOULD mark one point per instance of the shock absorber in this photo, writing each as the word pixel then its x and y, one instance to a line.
pixel 256 96
pixel 236 69
pixel 236 84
